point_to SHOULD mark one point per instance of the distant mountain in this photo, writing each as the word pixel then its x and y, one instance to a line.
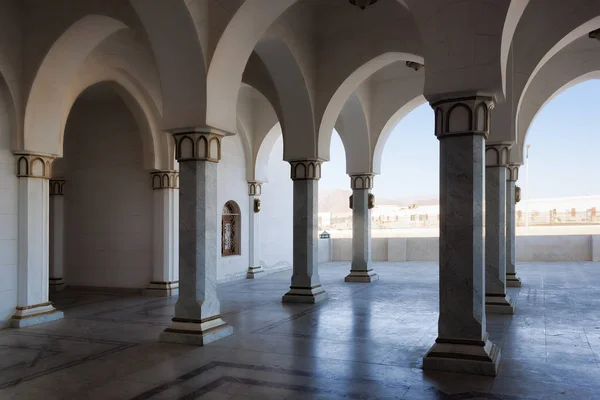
pixel 336 201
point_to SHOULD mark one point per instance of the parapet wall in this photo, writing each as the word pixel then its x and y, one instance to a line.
pixel 529 248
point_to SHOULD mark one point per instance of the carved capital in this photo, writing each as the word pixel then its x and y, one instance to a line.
pixel 306 170
pixel 497 154
pixel 254 188
pixel 166 179
pixel 464 116
pixel 513 172
pixel 57 187
pixel 198 144
pixel 362 181
pixel 30 165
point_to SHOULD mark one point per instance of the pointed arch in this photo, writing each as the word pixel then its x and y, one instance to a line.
pixel 45 104
pixel 180 60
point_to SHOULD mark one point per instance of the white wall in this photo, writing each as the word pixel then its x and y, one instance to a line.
pixel 276 216
pixel 108 198
pixel 232 185
pixel 8 220
pixel 529 248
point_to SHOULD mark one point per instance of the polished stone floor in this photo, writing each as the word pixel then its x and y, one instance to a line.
pixel 366 342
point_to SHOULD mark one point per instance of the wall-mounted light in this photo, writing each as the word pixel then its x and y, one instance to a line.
pixel 362 4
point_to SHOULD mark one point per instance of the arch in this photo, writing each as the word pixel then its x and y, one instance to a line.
pixel 265 147
pixel 389 127
pixel 43 122
pixel 353 129
pixel 238 40
pixel 559 34
pixel 157 148
pixel 513 16
pixel 247 148
pixel 349 85
pixel 180 60
pixel 297 117
pixel 7 100
pixel 231 230
pixel 518 156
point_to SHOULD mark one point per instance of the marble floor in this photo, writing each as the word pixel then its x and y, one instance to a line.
pixel 366 342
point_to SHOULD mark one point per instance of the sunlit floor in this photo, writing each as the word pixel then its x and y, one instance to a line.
pixel 366 342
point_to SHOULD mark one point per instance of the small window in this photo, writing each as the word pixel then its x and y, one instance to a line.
pixel 230 230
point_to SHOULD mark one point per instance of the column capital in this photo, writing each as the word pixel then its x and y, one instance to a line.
pixel 165 179
pixel 31 165
pixel 254 188
pixel 463 116
pixel 497 154
pixel 306 169
pixel 513 172
pixel 198 144
pixel 57 187
pixel 361 181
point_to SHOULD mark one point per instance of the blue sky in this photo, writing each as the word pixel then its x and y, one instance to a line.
pixel 564 157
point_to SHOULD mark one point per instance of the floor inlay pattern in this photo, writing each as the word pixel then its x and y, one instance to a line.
pixel 26 355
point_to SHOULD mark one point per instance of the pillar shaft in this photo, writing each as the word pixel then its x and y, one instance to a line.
pixel 361 269
pixel 197 311
pixel 33 306
pixel 462 125
pixel 165 279
pixel 306 284
pixel 57 234
pixel 512 280
pixel 496 299
pixel 254 192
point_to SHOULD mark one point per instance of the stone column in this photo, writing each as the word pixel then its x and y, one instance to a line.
pixel 496 299
pixel 512 280
pixel 254 269
pixel 57 234
pixel 462 345
pixel 165 279
pixel 306 284
pixel 33 306
pixel 361 269
pixel 197 317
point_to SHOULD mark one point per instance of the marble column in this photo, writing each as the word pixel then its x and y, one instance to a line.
pixel 306 284
pixel 197 317
pixel 33 306
pixel 57 234
pixel 165 279
pixel 361 269
pixel 462 345
pixel 496 299
pixel 255 270
pixel 512 280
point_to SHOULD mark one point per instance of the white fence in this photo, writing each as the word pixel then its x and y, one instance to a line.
pixel 529 248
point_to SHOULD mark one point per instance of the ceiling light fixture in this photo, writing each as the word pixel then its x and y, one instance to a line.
pixel 414 65
pixel 362 4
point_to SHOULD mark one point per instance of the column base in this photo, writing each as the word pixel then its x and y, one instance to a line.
pixel 162 289
pixel 512 280
pixel 255 272
pixel 309 295
pixel 33 315
pixel 499 304
pixel 57 284
pixel 361 276
pixel 463 356
pixel 196 332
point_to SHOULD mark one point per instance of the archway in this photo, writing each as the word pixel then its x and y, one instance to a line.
pixel 559 198
pixel 108 202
